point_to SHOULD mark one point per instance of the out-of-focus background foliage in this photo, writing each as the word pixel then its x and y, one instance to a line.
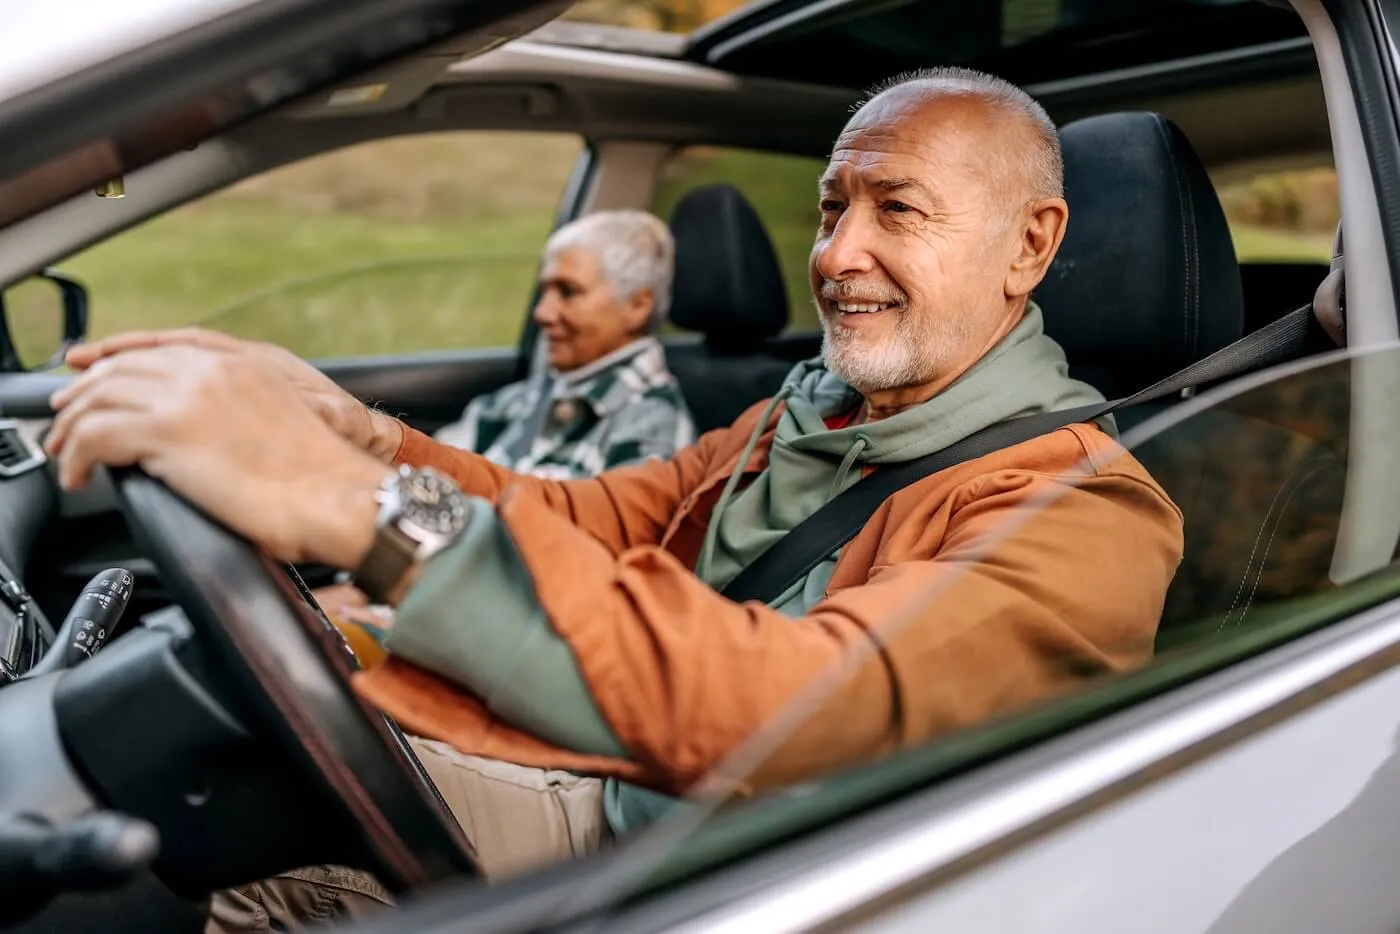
pixel 433 242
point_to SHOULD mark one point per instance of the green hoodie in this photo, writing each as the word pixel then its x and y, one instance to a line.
pixel 808 463
pixel 506 652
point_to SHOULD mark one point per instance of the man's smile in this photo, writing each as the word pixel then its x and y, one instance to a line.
pixel 856 314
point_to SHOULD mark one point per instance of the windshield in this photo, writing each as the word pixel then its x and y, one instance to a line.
pixel 1291 522
pixel 68 47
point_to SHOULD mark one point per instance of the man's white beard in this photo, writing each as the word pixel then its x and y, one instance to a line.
pixel 909 356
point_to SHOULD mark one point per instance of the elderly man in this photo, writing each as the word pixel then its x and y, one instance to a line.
pixel 576 626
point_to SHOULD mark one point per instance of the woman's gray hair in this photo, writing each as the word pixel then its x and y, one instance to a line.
pixel 635 251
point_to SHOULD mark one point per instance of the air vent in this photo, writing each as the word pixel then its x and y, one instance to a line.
pixel 18 455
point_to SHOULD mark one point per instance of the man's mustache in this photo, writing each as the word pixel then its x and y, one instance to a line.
pixel 862 293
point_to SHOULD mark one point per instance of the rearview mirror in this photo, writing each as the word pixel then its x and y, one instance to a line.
pixel 40 318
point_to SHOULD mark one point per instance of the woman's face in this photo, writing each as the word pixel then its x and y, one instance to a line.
pixel 578 315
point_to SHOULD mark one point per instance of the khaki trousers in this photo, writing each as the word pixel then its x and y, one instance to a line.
pixel 517 818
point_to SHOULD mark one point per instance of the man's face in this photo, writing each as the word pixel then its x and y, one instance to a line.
pixel 910 262
pixel 578 315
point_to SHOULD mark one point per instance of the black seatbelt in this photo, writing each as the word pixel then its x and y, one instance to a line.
pixel 791 558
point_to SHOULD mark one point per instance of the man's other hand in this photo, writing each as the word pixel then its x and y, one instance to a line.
pixel 367 429
pixel 230 432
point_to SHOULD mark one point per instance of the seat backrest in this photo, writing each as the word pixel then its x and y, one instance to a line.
pixel 729 287
pixel 1146 283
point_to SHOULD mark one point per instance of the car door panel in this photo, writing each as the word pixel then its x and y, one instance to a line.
pixel 1291 831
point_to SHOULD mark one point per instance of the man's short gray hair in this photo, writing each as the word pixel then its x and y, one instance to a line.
pixel 635 251
pixel 1041 164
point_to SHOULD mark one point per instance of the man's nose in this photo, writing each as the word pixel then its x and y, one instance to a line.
pixel 847 251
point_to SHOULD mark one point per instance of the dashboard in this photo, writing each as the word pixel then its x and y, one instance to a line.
pixel 28 502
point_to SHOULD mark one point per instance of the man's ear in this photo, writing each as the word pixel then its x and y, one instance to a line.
pixel 1041 235
pixel 639 309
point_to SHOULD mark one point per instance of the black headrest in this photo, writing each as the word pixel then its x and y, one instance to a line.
pixel 728 284
pixel 1146 281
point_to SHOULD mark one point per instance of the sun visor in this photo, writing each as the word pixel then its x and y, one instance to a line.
pixel 396 87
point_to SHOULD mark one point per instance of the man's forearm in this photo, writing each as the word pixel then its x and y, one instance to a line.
pixel 472 618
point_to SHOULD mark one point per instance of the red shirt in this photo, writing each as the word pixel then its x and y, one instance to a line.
pixel 841 421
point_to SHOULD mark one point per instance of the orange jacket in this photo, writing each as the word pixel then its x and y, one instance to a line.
pixel 991 585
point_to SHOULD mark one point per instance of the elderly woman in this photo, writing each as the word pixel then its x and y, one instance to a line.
pixel 605 398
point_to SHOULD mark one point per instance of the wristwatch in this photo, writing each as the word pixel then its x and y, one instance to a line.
pixel 421 512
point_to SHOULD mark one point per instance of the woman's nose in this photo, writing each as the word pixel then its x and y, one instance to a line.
pixel 546 310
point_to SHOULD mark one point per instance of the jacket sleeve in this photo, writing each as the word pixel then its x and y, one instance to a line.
pixel 621 508
pixel 463 432
pixel 1004 614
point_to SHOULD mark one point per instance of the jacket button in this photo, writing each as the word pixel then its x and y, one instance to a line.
pixel 564 410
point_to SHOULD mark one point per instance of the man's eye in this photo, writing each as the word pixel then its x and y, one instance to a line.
pixel 829 206
pixel 896 207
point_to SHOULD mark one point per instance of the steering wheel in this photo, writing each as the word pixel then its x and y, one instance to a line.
pixel 292 668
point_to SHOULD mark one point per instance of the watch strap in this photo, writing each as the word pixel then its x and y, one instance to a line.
pixel 384 574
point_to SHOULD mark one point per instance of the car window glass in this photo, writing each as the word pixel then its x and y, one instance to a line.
pixel 1283 224
pixel 1283 216
pixel 1283 536
pixel 783 191
pixel 406 244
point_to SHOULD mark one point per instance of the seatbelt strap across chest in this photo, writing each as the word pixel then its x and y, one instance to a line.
pixel 812 541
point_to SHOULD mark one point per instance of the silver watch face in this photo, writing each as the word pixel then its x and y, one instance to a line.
pixel 432 502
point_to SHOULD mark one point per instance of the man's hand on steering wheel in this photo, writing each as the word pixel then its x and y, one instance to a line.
pixel 228 429
pixel 369 430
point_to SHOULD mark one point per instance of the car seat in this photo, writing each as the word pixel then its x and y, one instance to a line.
pixel 729 287
pixel 1145 283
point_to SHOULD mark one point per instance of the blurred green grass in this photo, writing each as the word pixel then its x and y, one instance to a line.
pixel 410 244
pixel 1260 244
pixel 321 284
pixel 426 243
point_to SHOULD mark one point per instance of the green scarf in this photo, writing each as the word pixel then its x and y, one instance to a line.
pixel 808 463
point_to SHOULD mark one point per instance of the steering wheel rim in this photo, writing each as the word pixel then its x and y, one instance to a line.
pixel 296 680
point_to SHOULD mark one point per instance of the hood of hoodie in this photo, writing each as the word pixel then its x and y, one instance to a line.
pixel 1025 373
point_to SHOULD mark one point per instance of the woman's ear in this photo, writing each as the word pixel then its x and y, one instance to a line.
pixel 639 310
